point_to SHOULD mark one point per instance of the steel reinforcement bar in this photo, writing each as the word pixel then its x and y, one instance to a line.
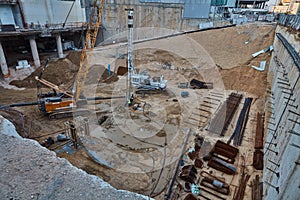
pixel 221 121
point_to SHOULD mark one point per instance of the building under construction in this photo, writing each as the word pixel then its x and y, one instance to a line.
pixel 149 99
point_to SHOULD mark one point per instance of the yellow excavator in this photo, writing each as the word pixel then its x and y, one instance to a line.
pixel 60 103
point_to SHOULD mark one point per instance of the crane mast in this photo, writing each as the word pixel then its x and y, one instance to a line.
pixel 59 105
pixel 90 41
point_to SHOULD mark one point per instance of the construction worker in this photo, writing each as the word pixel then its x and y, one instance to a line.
pixel 130 101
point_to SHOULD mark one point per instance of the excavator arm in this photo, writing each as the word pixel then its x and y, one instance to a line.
pixel 53 86
pixel 90 40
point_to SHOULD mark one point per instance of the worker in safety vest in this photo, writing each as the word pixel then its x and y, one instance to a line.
pixel 130 100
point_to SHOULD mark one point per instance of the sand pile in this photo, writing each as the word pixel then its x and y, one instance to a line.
pixel 74 57
pixel 63 72
pixel 58 72
pixel 98 73
pixel 245 78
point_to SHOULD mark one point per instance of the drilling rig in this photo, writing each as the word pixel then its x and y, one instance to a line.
pixel 141 81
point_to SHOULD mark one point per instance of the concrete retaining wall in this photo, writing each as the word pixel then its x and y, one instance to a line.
pixel 281 181
pixel 158 15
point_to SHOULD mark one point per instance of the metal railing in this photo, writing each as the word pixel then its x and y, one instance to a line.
pixel 292 21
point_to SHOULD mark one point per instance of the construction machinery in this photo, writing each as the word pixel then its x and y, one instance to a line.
pixel 143 82
pixel 196 84
pixel 61 103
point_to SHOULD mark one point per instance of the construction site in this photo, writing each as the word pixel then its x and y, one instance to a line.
pixel 148 99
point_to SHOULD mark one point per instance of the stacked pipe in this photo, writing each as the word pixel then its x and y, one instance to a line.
pixel 222 119
pixel 238 133
pixel 216 157
pixel 258 155
pixel 257 189
pixel 240 193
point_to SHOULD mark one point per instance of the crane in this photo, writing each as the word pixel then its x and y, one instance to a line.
pixel 59 105
pixel 90 40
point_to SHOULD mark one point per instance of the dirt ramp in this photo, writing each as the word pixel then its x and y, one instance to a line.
pixel 233 46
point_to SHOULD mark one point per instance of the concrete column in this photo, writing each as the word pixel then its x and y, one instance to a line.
pixel 34 52
pixel 59 46
pixel 4 67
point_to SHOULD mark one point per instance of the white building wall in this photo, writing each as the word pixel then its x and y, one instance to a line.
pixel 52 11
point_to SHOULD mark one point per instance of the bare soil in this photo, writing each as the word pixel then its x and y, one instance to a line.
pixel 224 49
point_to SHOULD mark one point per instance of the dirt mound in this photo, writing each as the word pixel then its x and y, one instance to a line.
pixel 98 73
pixel 62 71
pixel 245 78
pixel 74 57
pixel 20 121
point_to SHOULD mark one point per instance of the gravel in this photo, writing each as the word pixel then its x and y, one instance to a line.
pixel 30 171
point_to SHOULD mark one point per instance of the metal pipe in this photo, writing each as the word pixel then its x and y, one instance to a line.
pixel 280 118
pixel 276 188
pixel 283 79
pixel 272 143
pixel 276 173
pixel 103 98
pixel 293 100
pixel 294 121
pixel 289 93
pixel 23 104
pixel 287 84
pixel 278 165
pixel 272 123
pixel 170 189
pixel 294 112
pixel 295 145
pixel 293 53
pixel 68 14
pixel 293 106
pixel 211 193
pixel 270 129
pixel 294 132
pixel 283 73
pixel 284 88
pixel 276 153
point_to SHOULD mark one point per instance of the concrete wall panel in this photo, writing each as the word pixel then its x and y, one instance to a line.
pixel 285 103
pixel 6 15
pixel 52 11
pixel 164 15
